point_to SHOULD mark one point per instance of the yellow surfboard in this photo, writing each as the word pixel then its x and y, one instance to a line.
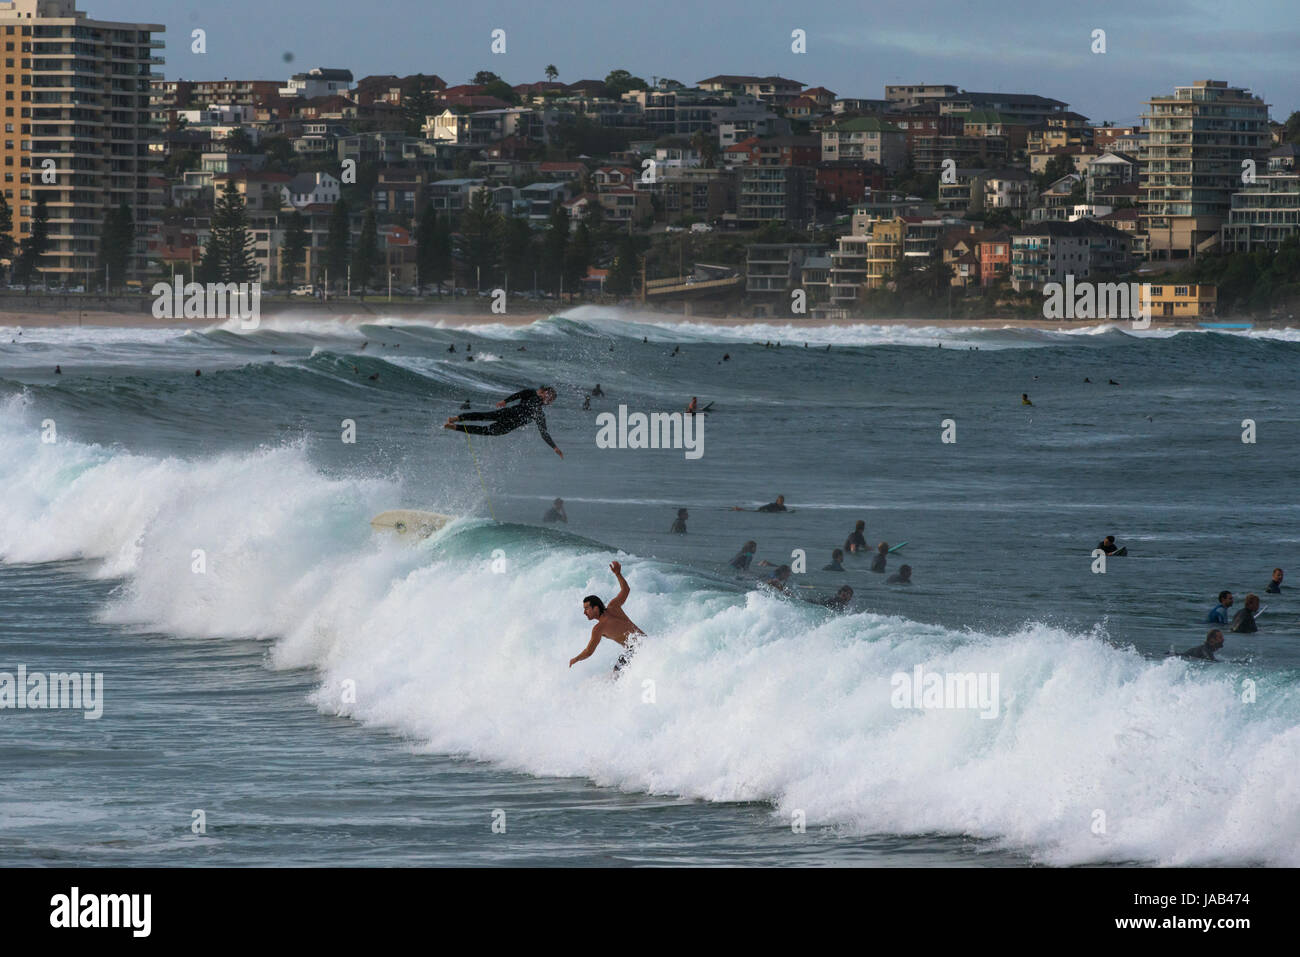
pixel 409 521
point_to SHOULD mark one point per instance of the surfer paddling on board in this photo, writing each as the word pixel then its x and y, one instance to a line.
pixel 506 420
pixel 611 623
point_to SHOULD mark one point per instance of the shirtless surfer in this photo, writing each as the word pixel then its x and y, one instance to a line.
pixel 610 622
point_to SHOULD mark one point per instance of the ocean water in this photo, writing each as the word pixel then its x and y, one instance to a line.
pixel 326 695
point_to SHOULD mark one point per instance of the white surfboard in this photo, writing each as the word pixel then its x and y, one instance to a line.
pixel 409 521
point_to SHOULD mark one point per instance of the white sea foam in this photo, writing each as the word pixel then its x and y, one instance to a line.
pixel 755 698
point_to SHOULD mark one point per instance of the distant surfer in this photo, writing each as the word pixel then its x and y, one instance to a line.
pixel 1213 642
pixel 901 577
pixel 693 407
pixel 878 559
pixel 597 392
pixel 1108 545
pixel 1244 620
pixel 506 420
pixel 777 506
pixel 1275 584
pixel 1219 613
pixel 556 512
pixel 744 557
pixel 837 559
pixel 610 622
pixel 679 526
pixel 780 579
pixel 857 541
pixel 839 601
pixel 1024 399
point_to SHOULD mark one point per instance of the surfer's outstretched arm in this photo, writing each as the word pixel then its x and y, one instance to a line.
pixel 517 397
pixel 624 588
pixel 546 436
pixel 591 646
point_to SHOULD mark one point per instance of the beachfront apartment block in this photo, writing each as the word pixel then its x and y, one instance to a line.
pixel 1264 214
pixel 319 81
pixel 1049 251
pixel 1189 301
pixel 1196 142
pixel 865 138
pixel 772 268
pixel 775 194
pixel 76 100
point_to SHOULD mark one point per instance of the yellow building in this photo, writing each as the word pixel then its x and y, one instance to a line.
pixel 76 127
pixel 1183 302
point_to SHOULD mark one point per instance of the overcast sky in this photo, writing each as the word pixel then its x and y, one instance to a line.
pixel 854 48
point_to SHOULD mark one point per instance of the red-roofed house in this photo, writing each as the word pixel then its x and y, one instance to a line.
pixel 558 172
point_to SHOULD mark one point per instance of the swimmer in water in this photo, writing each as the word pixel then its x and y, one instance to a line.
pixel 1213 642
pixel 1244 620
pixel 878 559
pixel 1275 584
pixel 780 579
pixel 556 512
pixel 1219 613
pixel 839 601
pixel 857 542
pixel 743 557
pixel 610 622
pixel 836 565
pixel 679 526
pixel 1024 399
pixel 901 577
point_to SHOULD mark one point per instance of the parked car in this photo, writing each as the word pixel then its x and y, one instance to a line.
pixel 304 291
pixel 701 228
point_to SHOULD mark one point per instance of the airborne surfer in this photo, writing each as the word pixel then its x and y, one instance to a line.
pixel 506 420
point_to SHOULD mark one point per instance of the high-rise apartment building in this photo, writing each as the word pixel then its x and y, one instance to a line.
pixel 75 93
pixel 1192 163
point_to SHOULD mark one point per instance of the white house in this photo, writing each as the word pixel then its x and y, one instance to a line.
pixel 308 189
pixel 319 81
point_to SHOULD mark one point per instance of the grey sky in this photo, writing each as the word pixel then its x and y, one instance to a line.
pixel 853 48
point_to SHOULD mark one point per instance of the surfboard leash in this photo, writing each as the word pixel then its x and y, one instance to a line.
pixel 491 511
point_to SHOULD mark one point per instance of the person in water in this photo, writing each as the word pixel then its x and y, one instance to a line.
pixel 1213 642
pixel 506 420
pixel 837 559
pixel 693 406
pixel 1244 620
pixel 679 526
pixel 1024 399
pixel 777 506
pixel 857 540
pixel 1275 585
pixel 878 559
pixel 1219 613
pixel 597 392
pixel 744 557
pixel 839 601
pixel 610 622
pixel 780 579
pixel 556 512
pixel 901 577
pixel 1108 545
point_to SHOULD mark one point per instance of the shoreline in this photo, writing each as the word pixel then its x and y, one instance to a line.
pixel 407 314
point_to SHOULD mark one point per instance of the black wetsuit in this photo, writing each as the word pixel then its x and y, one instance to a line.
pixel 1274 588
pixel 1244 622
pixel 510 418
pixel 833 567
pixel 772 507
pixel 1108 549
pixel 834 603
pixel 1200 651
pixel 741 561
pixel 878 563
pixel 679 527
pixel 555 515
pixel 855 541
pixel 898 579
